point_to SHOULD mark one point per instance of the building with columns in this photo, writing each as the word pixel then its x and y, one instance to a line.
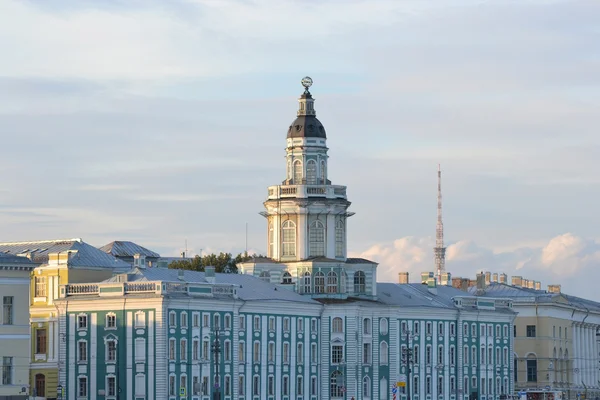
pixel 557 338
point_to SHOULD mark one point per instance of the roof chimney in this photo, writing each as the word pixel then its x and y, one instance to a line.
pixel 503 278
pixel 553 288
pixel 537 285
pixel 517 281
pixel 432 285
pixel 446 279
pixel 209 274
pixel 402 277
pixel 180 273
pixel 425 276
pixel 530 284
pixel 488 278
pixel 480 282
pixel 495 277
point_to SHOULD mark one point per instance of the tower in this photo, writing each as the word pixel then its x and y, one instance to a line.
pixel 439 249
pixel 306 215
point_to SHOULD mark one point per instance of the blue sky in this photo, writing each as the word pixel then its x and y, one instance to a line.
pixel 161 122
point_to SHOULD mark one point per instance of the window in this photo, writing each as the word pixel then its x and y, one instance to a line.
pixel 172 349
pixel 482 358
pixel 287 278
pixel 40 341
pixel 205 385
pixel 257 323
pixel 465 330
pixel 335 384
pixel 286 324
pixel 256 353
pixel 428 385
pixel 111 350
pixel 383 326
pixel 473 355
pixel 111 386
pixel 82 387
pixel 482 330
pixel 531 370
pixel 271 385
pixel 40 385
pixel 403 328
pixel 490 330
pixel 319 282
pixel 313 386
pixel 255 385
pixel 452 329
pixel 428 354
pixel 183 349
pixel 311 172
pixel 300 326
pixel 227 385
pixel 338 325
pixel 82 351
pixel 271 324
pixel 313 353
pixel 440 355
pixel 466 355
pixel 440 329
pixel 300 353
pixel 140 319
pixel 359 282
pixel 530 330
pixel 505 331
pixel 299 386
pixel 339 239
pixel 497 330
pixel 452 385
pixel 241 351
pixel 285 354
pixel 140 385
pixel 297 172
pixel 428 328
pixel 313 325
pixel 416 354
pixel 217 321
pixel 289 238
pixel 505 356
pixel 172 390
pixel 40 286
pixel 184 320
pixel 195 350
pixel 382 392
pixel 242 323
pixel 205 350
pixel 366 353
pixel 367 326
pixel 383 353
pixel 337 354
pixel 466 384
pixel 498 357
pixel 111 321
pixel 332 281
pixel 306 283
pixel 474 330
pixel 490 356
pixel 285 385
pixel 241 385
pixel 415 387
pixel 440 385
pixel 271 352
pixel 82 321
pixel 205 320
pixel 514 331
pixel 366 387
pixel 452 355
pixel 271 240
pixel 7 371
pixel 265 276
pixel 7 310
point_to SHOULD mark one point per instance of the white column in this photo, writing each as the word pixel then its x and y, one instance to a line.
pixel 330 240
pixel 301 231
pixel 129 362
pixel 276 236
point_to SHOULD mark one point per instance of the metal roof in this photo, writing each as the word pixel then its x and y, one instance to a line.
pixel 123 248
pixel 417 295
pixel 85 255
pixel 12 259
pixel 250 287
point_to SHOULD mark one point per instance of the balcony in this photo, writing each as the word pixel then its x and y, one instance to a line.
pixel 306 191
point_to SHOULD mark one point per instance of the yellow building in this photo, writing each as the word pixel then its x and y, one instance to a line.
pixel 14 326
pixel 59 262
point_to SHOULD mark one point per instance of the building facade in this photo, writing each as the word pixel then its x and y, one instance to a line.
pixel 58 262
pixel 556 337
pixel 15 338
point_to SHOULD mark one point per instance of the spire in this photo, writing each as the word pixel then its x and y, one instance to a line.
pixel 439 249
pixel 306 106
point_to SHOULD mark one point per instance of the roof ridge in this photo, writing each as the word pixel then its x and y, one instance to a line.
pixel 43 241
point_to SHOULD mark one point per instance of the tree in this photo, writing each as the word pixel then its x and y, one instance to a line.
pixel 223 262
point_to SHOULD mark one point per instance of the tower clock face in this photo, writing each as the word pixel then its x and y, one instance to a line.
pixel 307 82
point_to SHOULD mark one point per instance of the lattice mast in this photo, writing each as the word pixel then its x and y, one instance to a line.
pixel 439 249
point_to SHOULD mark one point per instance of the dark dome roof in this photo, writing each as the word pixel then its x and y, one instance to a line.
pixel 306 126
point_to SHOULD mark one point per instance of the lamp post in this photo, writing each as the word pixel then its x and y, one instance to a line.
pixel 551 370
pixel 407 359
pixel 216 348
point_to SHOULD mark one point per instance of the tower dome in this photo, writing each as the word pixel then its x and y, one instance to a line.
pixel 306 125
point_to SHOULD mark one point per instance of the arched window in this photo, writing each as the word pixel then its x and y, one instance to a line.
pixel 287 278
pixel 366 386
pixel 323 173
pixel 339 239
pixel 289 238
pixel 311 172
pixel 359 282
pixel 265 276
pixel 316 239
pixel 271 240
pixel 40 385
pixel 297 172
pixel 332 281
pixel 383 353
pixel 383 326
pixel 337 325
pixel 336 383
pixel 306 282
pixel 319 282
pixel 367 326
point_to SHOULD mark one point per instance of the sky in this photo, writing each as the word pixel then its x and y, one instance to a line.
pixel 164 123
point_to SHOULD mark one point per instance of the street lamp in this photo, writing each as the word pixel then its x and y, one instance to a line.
pixel 407 359
pixel 551 370
pixel 216 348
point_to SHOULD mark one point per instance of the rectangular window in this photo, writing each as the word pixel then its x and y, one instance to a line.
pixel 482 330
pixel 271 324
pixel 227 385
pixel 428 328
pixel 255 386
pixel 271 385
pixel 285 386
pixel 217 321
pixel 403 328
pixel 440 355
pixel 111 350
pixel 82 352
pixel 286 353
pixel 530 330
pixel 300 327
pixel 531 370
pixel 242 323
pixel 428 355
pixel 40 286
pixel 313 386
pixel 339 240
pixel 140 386
pixel 299 386
pixel 172 390
pixel 195 350
pixel 227 322
pixel 172 349
pixel 416 327
pixel 111 386
pixel 205 350
pixel 183 349
pixel 300 353
pixel 286 324
pixel 490 330
pixel 271 352
pixel 7 370
pixel 514 331
pixel 366 353
pixel 184 320
pixel 440 328
pixel 428 385
pixel 40 341
pixel 206 320
pixel 111 321
pixel 140 319
pixel 337 354
pixel 257 323
pixel 82 387
pixel 474 330
pixel 82 322
pixel 241 351
pixel 241 385
pixel 227 351
pixel 465 330
pixel 205 385
pixel 7 310
pixel 313 325
pixel 452 385
pixel 196 320
pixel 256 353
pixel 183 382
pixel 452 329
pixel 440 385
pixel 313 353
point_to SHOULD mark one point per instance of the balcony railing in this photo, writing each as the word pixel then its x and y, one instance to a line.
pixel 157 287
pixel 306 191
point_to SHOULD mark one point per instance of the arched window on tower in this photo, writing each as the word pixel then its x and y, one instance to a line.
pixel 306 283
pixel 332 282
pixel 316 239
pixel 311 172
pixel 339 239
pixel 359 282
pixel 323 173
pixel 287 278
pixel 297 172
pixel 319 282
pixel 271 240
pixel 289 238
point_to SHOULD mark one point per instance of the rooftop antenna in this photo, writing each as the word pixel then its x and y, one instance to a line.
pixel 439 249
pixel 246 238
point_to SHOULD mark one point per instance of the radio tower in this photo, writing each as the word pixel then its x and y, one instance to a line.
pixel 439 249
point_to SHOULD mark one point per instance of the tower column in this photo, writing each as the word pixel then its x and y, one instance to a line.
pixel 330 238
pixel 301 231
pixel 276 237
